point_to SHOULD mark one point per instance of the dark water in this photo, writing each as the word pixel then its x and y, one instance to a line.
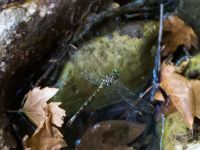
pixel 21 125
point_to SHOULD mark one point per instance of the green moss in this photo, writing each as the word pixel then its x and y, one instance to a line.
pixel 194 65
pixel 150 30
pixel 97 58
pixel 174 127
pixel 120 52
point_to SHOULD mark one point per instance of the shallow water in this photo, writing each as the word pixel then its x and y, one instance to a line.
pixel 118 110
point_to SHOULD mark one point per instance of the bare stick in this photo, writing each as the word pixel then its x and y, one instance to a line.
pixel 160 36
pixel 157 65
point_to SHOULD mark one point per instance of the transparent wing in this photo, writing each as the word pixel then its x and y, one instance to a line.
pixel 135 100
pixel 114 89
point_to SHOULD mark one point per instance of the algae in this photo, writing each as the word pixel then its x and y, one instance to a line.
pixel 194 66
pixel 97 58
pixel 174 128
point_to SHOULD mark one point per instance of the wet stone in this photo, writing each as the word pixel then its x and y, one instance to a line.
pixel 131 55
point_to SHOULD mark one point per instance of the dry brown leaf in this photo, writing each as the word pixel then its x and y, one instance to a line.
pixel 169 108
pixel 110 135
pixel 196 88
pixel 159 96
pixel 180 92
pixel 177 33
pixel 36 102
pixel 57 113
pixel 46 137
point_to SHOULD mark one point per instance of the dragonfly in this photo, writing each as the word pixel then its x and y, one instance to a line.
pixel 105 84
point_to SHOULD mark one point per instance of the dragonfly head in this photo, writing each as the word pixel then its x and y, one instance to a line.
pixel 115 73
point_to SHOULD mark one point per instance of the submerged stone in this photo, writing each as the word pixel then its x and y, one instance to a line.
pixel 112 134
pixel 175 132
pixel 193 69
pixel 96 59
pixel 177 136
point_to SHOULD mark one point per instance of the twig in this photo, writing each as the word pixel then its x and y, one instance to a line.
pixel 157 65
pixel 136 9
pixel 135 103
pixel 160 37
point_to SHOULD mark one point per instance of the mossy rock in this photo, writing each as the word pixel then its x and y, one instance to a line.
pixel 193 69
pixel 98 57
pixel 176 135
pixel 174 129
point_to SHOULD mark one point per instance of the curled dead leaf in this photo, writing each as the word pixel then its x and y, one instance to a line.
pixel 168 107
pixel 180 92
pixel 46 137
pixel 177 33
pixel 159 96
pixel 35 103
pixel 196 88
pixel 112 134
pixel 57 113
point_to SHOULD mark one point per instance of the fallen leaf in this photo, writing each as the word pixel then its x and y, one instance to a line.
pixel 112 134
pixel 177 33
pixel 168 107
pixel 196 88
pixel 36 102
pixel 57 113
pixel 46 137
pixel 180 92
pixel 159 96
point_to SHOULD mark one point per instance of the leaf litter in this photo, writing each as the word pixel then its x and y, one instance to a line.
pixel 44 115
pixel 177 33
pixel 180 92
pixel 183 93
pixel 184 96
pixel 46 136
pixel 111 134
pixel 35 103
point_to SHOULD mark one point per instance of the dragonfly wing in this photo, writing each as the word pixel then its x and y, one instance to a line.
pixel 122 92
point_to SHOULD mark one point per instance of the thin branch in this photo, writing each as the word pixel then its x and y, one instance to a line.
pixel 157 64
pixel 160 37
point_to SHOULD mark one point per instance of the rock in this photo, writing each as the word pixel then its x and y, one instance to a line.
pixel 7 141
pixel 29 30
pixel 174 128
pixel 177 136
pixel 189 12
pixel 193 69
pixel 193 146
pixel 127 51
